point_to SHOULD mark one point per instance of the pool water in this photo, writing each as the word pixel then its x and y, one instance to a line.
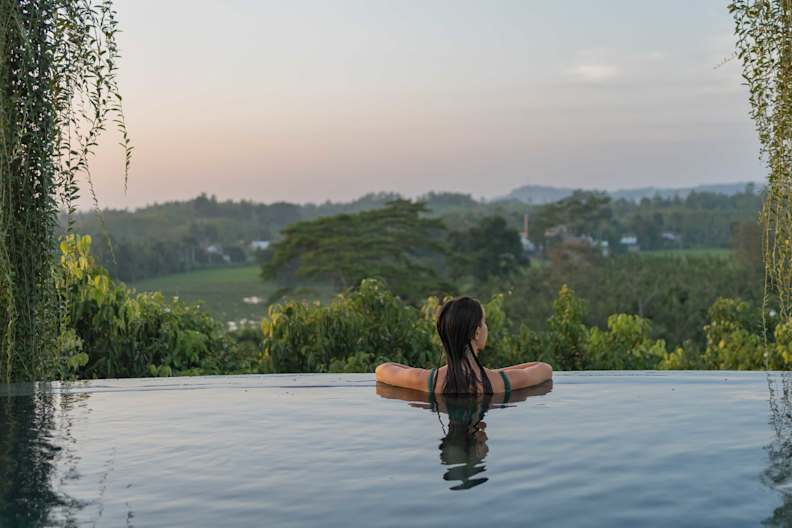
pixel 592 449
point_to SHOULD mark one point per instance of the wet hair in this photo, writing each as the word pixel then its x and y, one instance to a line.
pixel 456 324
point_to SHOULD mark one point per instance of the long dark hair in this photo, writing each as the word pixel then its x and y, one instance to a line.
pixel 456 324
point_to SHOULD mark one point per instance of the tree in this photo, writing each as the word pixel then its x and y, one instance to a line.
pixel 489 249
pixel 58 61
pixel 584 212
pixel 394 243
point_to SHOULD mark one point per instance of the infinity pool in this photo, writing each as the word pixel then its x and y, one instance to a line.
pixel 593 449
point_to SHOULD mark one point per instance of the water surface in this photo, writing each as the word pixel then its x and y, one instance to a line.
pixel 593 449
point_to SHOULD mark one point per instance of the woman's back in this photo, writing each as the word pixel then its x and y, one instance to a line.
pixel 498 380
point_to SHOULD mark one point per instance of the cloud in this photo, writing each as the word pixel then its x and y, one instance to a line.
pixel 595 72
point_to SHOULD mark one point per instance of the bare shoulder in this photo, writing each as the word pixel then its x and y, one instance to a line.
pixel 402 376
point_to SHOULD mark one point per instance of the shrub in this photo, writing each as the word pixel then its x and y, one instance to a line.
pixel 626 345
pixel 110 331
pixel 730 344
pixel 356 331
pixel 566 343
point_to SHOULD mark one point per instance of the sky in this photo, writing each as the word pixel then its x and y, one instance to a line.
pixel 308 100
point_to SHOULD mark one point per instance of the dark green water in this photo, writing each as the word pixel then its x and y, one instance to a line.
pixel 594 449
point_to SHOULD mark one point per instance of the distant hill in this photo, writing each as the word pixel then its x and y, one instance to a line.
pixel 540 194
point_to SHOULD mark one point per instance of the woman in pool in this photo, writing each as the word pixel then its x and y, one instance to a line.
pixel 463 330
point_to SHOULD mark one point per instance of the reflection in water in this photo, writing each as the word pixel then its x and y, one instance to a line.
pixel 464 444
pixel 778 474
pixel 32 437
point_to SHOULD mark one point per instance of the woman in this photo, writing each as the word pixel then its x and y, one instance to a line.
pixel 463 330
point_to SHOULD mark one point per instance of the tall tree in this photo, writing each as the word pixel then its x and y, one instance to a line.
pixel 58 89
pixel 394 243
pixel 489 249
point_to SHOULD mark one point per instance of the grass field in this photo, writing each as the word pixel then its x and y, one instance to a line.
pixel 222 291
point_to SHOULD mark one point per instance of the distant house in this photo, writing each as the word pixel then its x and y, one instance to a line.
pixel 527 245
pixel 559 235
pixel 259 245
pixel 555 231
pixel 630 242
pixel 603 246
pixel 217 254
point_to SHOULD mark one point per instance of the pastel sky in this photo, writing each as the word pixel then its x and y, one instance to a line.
pixel 309 100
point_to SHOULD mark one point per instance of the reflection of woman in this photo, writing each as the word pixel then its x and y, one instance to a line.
pixel 464 444
pixel 463 330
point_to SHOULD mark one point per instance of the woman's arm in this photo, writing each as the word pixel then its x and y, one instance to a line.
pixel 520 366
pixel 529 376
pixel 402 376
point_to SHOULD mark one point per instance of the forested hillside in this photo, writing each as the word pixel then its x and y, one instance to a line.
pixel 203 232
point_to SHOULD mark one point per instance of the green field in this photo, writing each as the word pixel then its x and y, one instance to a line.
pixel 222 291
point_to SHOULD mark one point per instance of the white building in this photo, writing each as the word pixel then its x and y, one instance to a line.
pixel 259 245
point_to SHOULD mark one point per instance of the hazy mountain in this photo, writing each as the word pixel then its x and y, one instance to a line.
pixel 540 194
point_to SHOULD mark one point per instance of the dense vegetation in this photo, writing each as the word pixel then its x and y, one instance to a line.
pixel 763 31
pixel 176 237
pixel 117 332
pixel 112 331
pixel 58 61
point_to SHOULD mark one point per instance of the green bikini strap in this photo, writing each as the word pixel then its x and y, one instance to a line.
pixel 431 387
pixel 506 385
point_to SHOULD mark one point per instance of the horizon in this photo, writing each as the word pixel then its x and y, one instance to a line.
pixel 483 200
pixel 310 102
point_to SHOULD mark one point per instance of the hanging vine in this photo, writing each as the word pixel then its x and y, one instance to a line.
pixel 58 92
pixel 764 46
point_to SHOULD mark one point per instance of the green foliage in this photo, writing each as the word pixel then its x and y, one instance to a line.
pixel 764 46
pixel 626 345
pixel 395 244
pixel 369 325
pixel 355 332
pixel 111 331
pixel 781 353
pixel 731 344
pixel 673 291
pixel 490 249
pixel 567 331
pixel 732 341
pixel 583 213
pixel 58 62
pixel 168 238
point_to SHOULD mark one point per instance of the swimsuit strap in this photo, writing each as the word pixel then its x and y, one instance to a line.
pixel 431 387
pixel 506 385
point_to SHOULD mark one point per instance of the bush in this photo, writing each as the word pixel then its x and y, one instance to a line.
pixel 356 331
pixel 730 343
pixel 567 334
pixel 109 330
pixel 626 345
